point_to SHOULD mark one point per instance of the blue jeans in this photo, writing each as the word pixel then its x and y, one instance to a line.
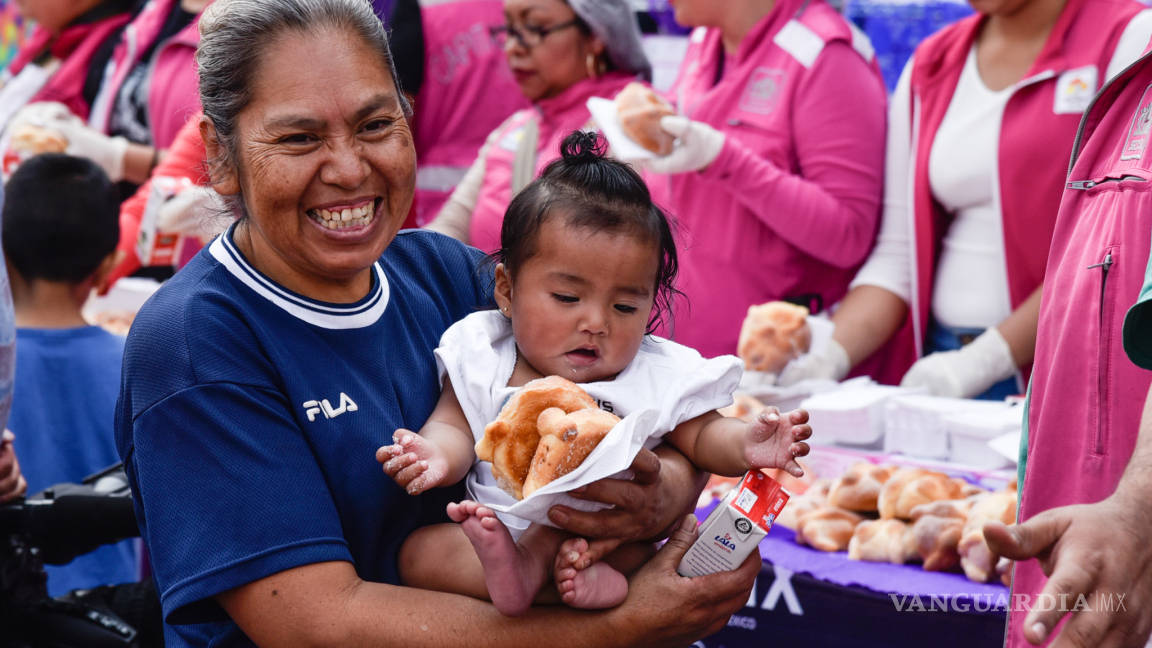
pixel 948 338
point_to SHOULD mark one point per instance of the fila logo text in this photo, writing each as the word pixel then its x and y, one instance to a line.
pixel 312 408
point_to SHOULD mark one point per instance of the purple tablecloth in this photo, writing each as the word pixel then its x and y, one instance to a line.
pixel 780 548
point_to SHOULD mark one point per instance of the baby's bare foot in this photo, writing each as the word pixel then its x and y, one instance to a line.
pixel 512 576
pixel 595 588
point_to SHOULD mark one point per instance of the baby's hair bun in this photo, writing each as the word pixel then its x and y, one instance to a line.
pixel 582 147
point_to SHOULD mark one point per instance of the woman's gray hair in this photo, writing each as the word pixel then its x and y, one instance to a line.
pixel 234 33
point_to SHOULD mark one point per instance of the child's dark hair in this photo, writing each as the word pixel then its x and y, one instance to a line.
pixel 591 191
pixel 61 218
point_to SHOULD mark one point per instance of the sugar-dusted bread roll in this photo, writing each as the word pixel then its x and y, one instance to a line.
pixel 639 110
pixel 933 539
pixel 566 439
pixel 743 407
pixel 859 488
pixel 815 497
pixel 773 334
pixel 30 138
pixel 510 441
pixel 911 487
pixel 879 541
pixel 976 557
pixel 827 528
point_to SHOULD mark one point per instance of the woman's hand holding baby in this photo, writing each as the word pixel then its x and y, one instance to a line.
pixel 775 440
pixel 416 463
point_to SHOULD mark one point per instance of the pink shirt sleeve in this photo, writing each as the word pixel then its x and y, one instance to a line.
pixel 831 210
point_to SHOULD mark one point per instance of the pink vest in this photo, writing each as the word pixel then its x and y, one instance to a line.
pixel 557 117
pixel 173 93
pixel 74 47
pixel 468 91
pixel 1086 395
pixel 746 235
pixel 1034 141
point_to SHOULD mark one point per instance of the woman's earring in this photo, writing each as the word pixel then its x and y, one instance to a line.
pixel 593 65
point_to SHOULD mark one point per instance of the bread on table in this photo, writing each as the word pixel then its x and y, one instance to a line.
pixel 911 487
pixel 827 528
pixel 511 440
pixel 858 489
pixel 772 335
pixel 815 497
pixel 639 110
pixel 976 557
pixel 933 539
pixel 566 439
pixel 879 541
pixel 953 508
pixel 743 407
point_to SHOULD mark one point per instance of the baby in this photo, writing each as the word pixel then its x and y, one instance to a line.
pixel 585 271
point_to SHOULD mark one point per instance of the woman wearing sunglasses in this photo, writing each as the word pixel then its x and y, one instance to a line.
pixel 561 53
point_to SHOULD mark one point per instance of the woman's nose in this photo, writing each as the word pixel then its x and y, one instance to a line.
pixel 346 166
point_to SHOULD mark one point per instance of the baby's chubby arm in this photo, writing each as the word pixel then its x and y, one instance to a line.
pixel 441 454
pixel 729 446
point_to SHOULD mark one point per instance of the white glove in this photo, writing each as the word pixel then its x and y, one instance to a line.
pixel 831 364
pixel 196 211
pixel 966 372
pixel 697 145
pixel 84 141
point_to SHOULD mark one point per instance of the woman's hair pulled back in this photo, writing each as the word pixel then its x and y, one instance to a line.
pixel 234 34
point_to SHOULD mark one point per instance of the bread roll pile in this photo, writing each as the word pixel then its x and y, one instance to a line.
pixel 903 515
pixel 542 433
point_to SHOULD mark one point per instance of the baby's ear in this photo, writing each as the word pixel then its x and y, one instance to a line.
pixel 503 289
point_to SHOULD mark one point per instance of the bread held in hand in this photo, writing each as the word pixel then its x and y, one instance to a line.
pixel 639 110
pixel 772 335
pixel 566 440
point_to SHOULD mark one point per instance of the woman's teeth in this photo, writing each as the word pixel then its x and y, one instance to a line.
pixel 343 218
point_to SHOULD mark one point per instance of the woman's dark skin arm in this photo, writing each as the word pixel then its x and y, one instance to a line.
pixel 326 604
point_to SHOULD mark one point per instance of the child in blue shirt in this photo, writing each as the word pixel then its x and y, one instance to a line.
pixel 60 230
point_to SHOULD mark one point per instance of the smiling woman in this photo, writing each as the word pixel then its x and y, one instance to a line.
pixel 259 381
pixel 325 179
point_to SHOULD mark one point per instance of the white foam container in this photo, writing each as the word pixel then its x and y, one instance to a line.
pixel 970 434
pixel 915 423
pixel 852 415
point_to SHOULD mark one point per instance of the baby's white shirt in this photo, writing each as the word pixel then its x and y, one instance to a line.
pixel 478 354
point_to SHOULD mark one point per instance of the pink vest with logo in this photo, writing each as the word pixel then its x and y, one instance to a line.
pixel 74 47
pixel 557 117
pixel 173 94
pixel 468 91
pixel 790 207
pixel 1086 395
pixel 1036 134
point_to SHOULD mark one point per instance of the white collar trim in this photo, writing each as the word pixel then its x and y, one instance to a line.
pixel 330 316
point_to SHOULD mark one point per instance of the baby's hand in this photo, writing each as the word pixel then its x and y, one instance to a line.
pixel 775 440
pixel 414 462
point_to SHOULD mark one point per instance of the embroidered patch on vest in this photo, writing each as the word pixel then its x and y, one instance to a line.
pixel 762 92
pixel 1074 90
pixel 1137 141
